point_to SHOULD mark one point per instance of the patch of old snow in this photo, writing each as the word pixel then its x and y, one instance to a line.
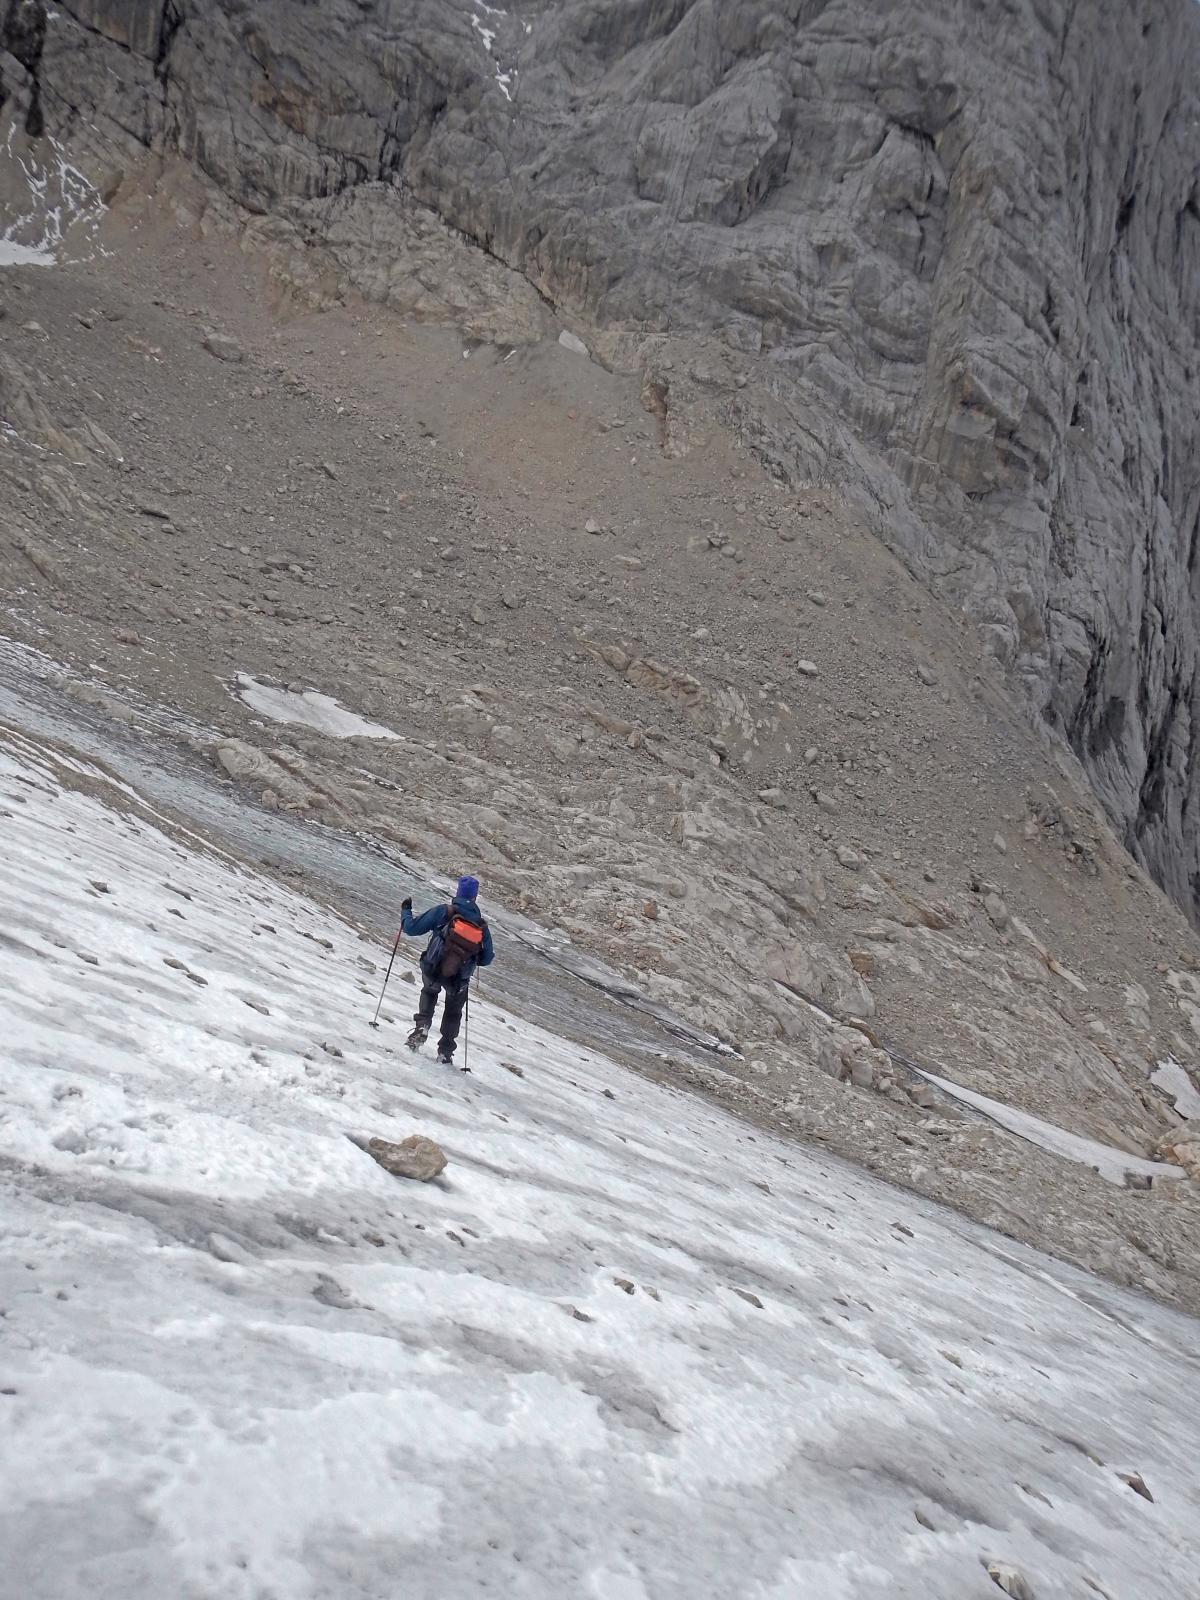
pixel 1110 1163
pixel 572 342
pixel 1170 1077
pixel 310 709
pixel 61 202
pixel 14 254
pixel 488 35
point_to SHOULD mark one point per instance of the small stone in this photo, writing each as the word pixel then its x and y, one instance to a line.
pixel 816 598
pixel 863 962
pixel 926 674
pixel 862 1073
pixel 415 1157
pixel 592 526
pixel 626 1284
pixel 330 471
pixel 510 599
pixel 771 797
pixel 516 1071
pixel 750 1299
pixel 807 668
pixel 848 857
pixel 580 1316
pixel 100 886
pixel 650 911
pixel 224 348
pixel 1001 843
pixel 127 636
pixel 811 754
pixel 997 911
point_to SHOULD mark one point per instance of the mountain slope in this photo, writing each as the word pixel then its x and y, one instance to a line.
pixel 621 1345
pixel 959 281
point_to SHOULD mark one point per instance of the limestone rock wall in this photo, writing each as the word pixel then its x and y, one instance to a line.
pixel 947 254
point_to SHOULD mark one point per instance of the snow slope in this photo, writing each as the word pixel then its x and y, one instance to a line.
pixel 625 1347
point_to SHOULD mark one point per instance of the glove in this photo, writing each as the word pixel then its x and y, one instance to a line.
pixel 406 905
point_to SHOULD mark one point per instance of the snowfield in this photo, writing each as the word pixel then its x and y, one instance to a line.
pixel 624 1347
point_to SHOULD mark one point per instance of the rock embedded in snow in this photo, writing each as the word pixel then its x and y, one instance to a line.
pixel 415 1157
pixel 1137 1483
pixel 1010 1580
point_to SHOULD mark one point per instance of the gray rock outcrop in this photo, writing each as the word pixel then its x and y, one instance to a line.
pixel 946 257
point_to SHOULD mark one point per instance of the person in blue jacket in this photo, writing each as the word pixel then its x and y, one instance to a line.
pixel 461 942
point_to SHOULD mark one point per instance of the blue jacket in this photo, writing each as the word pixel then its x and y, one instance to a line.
pixel 434 921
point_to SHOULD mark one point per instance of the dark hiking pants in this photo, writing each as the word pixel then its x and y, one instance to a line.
pixel 452 1010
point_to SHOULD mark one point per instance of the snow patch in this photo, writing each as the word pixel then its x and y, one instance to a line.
pixel 1172 1079
pixel 13 254
pixel 57 204
pixel 309 709
pixel 488 35
pixel 1109 1162
pixel 504 78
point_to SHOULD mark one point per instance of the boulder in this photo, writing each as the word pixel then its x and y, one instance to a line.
pixel 415 1157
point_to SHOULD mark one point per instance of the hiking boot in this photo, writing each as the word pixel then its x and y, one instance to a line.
pixel 445 1055
pixel 418 1036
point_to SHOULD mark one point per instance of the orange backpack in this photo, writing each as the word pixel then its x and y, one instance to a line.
pixel 462 942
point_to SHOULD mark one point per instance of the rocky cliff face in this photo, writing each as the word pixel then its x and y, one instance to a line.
pixel 947 256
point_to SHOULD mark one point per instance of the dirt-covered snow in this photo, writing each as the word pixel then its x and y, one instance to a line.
pixel 625 1346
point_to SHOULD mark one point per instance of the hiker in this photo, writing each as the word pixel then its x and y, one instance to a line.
pixel 461 942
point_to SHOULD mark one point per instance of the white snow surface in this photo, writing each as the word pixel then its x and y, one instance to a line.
pixel 309 709
pixel 13 254
pixel 239 1361
pixel 1173 1079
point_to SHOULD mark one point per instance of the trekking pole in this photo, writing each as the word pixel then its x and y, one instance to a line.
pixel 467 1033
pixel 387 975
